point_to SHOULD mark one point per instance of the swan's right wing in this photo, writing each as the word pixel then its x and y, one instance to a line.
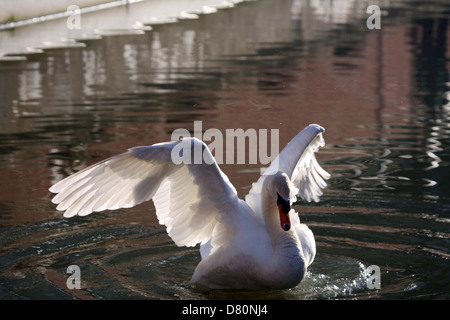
pixel 190 196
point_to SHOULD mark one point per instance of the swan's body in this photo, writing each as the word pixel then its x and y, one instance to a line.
pixel 254 243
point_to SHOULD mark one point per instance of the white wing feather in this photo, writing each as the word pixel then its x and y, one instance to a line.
pixel 298 161
pixel 189 198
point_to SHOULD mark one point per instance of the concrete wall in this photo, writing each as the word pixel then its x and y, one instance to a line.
pixel 15 10
pixel 112 17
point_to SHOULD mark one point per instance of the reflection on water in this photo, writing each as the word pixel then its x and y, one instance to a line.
pixel 382 95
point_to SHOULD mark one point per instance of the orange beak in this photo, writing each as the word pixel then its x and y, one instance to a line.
pixel 284 218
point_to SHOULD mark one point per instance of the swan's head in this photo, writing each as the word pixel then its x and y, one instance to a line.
pixel 279 188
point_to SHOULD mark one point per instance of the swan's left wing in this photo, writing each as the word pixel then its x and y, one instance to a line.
pixel 299 162
pixel 190 196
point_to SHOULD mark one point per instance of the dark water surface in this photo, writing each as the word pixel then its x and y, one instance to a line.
pixel 382 95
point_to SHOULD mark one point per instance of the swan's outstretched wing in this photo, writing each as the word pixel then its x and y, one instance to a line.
pixel 189 198
pixel 298 161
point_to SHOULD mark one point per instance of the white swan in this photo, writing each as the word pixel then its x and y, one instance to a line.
pixel 253 244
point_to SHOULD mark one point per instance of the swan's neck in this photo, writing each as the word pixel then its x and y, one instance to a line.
pixel 270 213
pixel 287 267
